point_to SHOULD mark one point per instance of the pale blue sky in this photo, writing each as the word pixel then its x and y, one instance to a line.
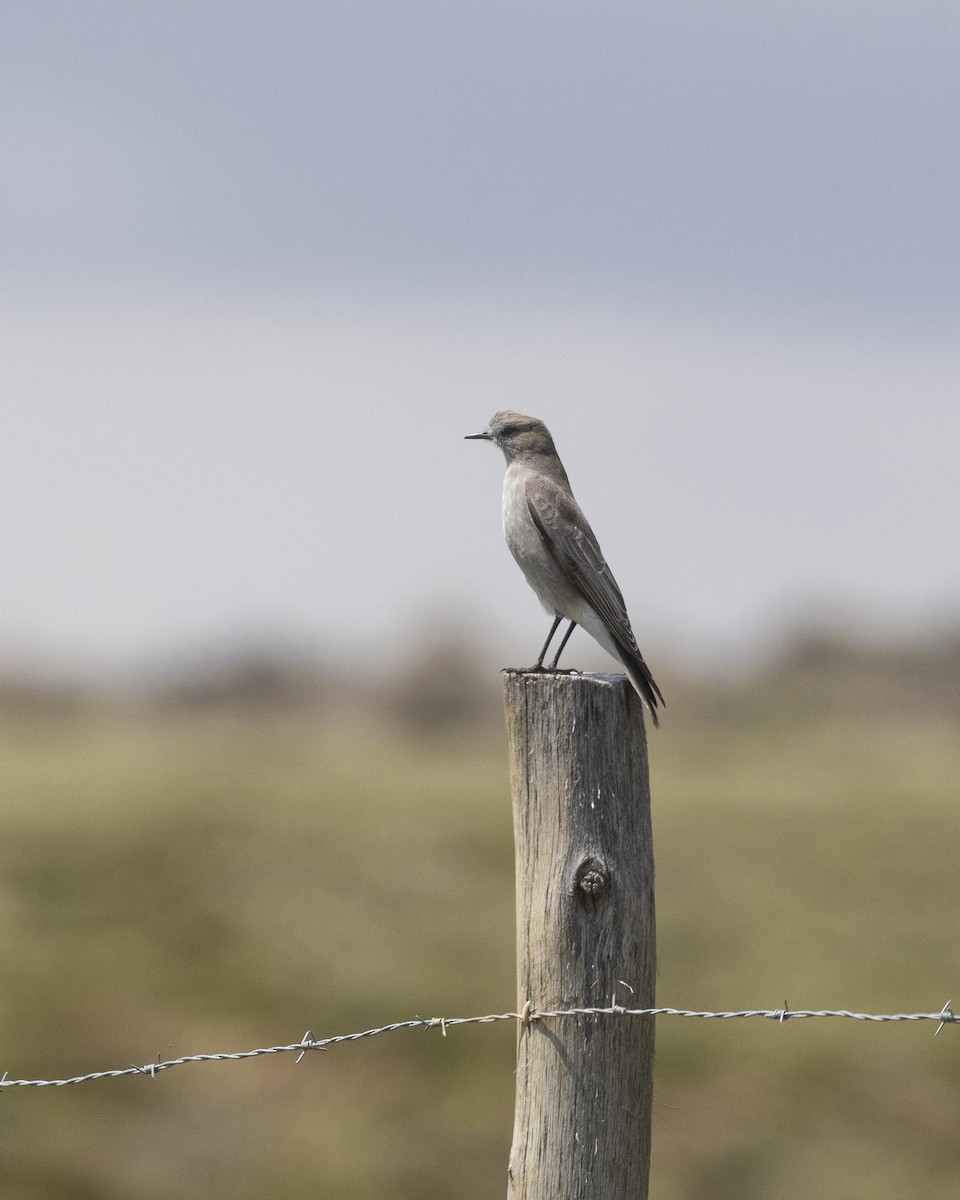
pixel 264 265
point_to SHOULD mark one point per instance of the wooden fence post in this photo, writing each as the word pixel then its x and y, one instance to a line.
pixel 585 934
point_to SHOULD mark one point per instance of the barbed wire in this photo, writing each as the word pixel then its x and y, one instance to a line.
pixel 526 1017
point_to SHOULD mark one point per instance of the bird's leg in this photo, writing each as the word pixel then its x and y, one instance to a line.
pixel 538 665
pixel 556 657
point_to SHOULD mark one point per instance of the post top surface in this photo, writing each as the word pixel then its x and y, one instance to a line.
pixel 603 678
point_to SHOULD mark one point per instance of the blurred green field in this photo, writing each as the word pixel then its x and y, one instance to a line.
pixel 179 883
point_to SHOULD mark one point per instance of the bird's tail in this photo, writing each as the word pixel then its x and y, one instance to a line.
pixel 639 675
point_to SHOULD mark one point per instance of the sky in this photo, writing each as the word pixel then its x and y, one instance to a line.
pixel 264 266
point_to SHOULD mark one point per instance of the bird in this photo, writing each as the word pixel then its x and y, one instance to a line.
pixel 557 551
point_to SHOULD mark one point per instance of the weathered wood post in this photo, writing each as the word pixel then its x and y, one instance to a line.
pixel 585 933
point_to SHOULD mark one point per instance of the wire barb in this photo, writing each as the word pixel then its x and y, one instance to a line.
pixel 307 1043
pixel 947 1015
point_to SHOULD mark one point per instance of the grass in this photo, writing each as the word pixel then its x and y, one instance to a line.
pixel 183 886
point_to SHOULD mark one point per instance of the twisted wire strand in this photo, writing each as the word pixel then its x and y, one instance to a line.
pixel 308 1042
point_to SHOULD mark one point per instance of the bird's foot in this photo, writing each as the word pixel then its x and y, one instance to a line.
pixel 540 669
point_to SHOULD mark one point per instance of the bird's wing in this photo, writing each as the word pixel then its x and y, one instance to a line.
pixel 569 539
pixel 572 543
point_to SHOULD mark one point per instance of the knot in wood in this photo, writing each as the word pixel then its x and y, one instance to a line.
pixel 593 880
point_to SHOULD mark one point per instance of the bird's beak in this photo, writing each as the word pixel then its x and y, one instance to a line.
pixel 470 437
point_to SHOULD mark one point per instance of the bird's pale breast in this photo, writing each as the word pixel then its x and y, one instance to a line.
pixel 533 557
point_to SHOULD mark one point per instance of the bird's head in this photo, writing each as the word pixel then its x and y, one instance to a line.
pixel 517 436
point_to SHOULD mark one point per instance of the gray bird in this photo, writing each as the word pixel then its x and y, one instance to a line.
pixel 556 549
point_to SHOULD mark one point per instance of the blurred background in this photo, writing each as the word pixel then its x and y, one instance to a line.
pixel 264 266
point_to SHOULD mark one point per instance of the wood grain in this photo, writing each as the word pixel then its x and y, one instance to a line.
pixel 585 936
